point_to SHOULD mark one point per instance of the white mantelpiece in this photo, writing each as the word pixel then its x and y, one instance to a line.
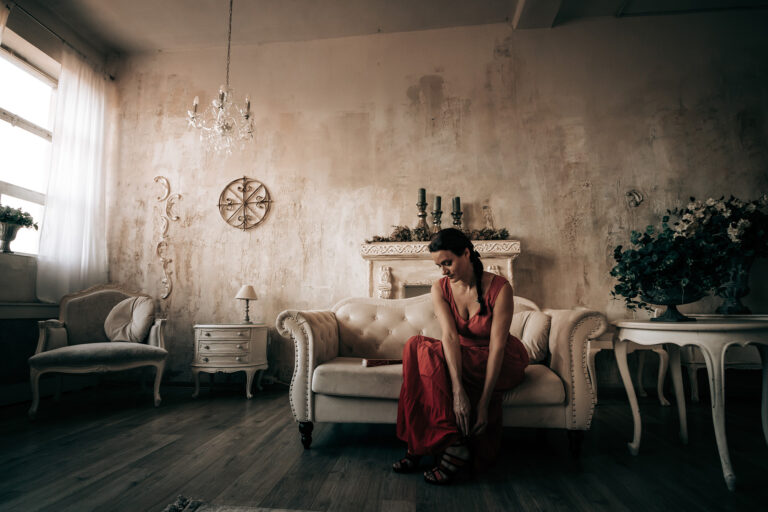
pixel 395 266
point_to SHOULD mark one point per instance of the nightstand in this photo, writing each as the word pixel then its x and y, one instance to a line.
pixel 230 348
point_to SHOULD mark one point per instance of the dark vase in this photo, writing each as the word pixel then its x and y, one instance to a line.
pixel 672 299
pixel 735 287
pixel 7 234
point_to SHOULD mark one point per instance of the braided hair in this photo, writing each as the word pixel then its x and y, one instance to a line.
pixel 451 239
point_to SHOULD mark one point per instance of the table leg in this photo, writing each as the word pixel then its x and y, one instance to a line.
pixel 196 378
pixel 620 350
pixel 249 382
pixel 716 371
pixel 663 365
pixel 677 385
pixel 764 407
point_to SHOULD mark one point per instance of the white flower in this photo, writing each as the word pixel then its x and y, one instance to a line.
pixel 751 207
pixel 710 202
pixel 687 218
pixel 733 234
pixel 726 213
pixel 720 206
pixel 743 224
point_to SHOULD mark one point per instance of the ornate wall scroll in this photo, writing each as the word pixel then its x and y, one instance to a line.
pixel 162 245
pixel 244 203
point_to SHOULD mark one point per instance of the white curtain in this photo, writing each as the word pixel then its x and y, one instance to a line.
pixel 5 10
pixel 73 244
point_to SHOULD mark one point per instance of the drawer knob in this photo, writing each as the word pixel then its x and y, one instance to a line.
pixel 205 359
pixel 238 359
pixel 239 333
pixel 207 347
pixel 239 346
pixel 207 334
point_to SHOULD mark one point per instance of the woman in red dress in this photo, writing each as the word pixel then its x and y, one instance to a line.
pixel 452 388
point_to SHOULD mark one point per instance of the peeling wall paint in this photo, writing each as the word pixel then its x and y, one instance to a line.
pixel 550 128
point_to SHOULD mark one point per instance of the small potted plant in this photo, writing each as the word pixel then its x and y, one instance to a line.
pixel 662 268
pixel 11 220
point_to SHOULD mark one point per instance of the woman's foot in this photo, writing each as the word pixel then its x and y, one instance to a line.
pixel 454 461
pixel 407 464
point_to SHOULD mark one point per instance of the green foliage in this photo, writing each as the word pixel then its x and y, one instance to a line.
pixel 406 234
pixel 16 216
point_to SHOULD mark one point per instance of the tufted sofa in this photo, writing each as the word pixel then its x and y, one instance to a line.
pixel 78 343
pixel 330 384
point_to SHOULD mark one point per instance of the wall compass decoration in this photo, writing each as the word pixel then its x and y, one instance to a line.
pixel 244 203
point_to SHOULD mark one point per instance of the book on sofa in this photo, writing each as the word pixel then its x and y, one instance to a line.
pixel 380 362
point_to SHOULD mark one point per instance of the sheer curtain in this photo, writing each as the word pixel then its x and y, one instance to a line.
pixel 73 244
pixel 5 10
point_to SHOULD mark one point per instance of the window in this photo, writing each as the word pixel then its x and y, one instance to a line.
pixel 27 98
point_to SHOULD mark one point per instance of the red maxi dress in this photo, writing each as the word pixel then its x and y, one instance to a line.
pixel 425 416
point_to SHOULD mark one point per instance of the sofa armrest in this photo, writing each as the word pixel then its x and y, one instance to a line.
pixel 51 334
pixel 315 336
pixel 568 338
pixel 156 336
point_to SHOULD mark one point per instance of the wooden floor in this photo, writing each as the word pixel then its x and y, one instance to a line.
pixel 108 449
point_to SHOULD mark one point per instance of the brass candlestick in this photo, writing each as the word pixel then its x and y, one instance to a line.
pixel 457 219
pixel 436 221
pixel 422 206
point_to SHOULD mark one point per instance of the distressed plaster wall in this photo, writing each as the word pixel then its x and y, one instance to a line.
pixel 549 127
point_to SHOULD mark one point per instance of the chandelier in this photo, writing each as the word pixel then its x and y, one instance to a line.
pixel 223 125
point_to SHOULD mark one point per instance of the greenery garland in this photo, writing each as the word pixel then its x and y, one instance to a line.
pixel 406 234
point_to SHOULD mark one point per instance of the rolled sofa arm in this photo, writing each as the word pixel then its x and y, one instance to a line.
pixel 51 334
pixel 568 339
pixel 156 336
pixel 315 336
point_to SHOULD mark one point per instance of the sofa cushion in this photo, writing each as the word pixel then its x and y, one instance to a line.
pixel 532 328
pixel 102 353
pixel 130 319
pixel 345 376
pixel 541 386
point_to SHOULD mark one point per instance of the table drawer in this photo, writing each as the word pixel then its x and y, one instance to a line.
pixel 224 360
pixel 214 347
pixel 230 334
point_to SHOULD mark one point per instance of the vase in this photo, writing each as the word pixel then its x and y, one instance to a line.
pixel 736 287
pixel 7 234
pixel 672 299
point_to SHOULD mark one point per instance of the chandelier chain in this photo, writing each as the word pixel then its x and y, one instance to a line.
pixel 229 39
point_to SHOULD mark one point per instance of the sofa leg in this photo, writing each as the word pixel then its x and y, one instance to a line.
pixel 575 440
pixel 158 378
pixel 305 429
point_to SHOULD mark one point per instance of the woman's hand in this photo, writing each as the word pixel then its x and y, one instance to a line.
pixel 462 410
pixel 482 420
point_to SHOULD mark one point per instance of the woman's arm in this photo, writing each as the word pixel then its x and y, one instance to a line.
pixel 502 319
pixel 452 353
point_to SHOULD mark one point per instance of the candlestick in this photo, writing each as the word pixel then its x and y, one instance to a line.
pixel 457 219
pixel 437 213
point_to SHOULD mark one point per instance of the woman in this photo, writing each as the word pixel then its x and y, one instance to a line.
pixel 453 387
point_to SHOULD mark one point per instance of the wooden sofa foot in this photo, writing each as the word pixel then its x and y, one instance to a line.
pixel 305 429
pixel 575 440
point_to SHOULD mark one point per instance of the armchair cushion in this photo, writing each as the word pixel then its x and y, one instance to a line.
pixel 130 319
pixel 101 353
pixel 532 328
pixel 346 376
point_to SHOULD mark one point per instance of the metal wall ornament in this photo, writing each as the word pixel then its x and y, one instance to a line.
pixel 244 203
pixel 162 245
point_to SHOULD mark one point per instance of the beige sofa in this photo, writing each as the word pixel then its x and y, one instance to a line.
pixel 330 384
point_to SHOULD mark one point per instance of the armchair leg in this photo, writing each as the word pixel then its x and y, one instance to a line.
pixel 34 380
pixel 305 429
pixel 158 377
pixel 575 440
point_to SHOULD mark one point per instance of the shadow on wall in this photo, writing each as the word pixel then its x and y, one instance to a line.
pixel 528 269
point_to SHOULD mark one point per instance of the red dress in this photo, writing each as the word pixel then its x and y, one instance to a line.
pixel 425 417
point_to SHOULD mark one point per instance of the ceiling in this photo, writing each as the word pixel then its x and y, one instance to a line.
pixel 127 26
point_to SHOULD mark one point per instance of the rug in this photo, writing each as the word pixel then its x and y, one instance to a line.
pixel 184 504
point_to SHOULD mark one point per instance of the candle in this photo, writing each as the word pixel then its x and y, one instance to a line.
pixel 196 102
pixel 438 201
pixel 456 204
pixel 422 195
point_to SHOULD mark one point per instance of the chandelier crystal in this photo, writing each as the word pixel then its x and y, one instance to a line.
pixel 223 125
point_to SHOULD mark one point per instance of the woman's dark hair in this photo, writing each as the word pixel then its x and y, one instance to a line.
pixel 451 239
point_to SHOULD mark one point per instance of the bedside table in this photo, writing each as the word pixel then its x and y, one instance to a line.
pixel 230 348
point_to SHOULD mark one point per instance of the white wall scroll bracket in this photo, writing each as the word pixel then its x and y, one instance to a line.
pixel 166 283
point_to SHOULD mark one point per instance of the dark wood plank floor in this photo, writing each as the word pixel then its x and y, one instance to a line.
pixel 109 449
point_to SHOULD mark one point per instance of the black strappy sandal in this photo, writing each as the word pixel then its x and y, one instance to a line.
pixel 448 470
pixel 408 464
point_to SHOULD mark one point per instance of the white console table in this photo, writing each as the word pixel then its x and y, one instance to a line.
pixel 713 336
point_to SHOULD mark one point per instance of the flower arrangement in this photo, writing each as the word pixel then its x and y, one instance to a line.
pixel 17 216
pixel 406 234
pixel 662 268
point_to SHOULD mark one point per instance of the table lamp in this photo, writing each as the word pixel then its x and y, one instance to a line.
pixel 246 293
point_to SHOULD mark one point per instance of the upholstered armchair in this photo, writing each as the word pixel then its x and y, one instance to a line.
pixel 78 343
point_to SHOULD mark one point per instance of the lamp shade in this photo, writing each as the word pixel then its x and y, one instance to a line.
pixel 246 292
